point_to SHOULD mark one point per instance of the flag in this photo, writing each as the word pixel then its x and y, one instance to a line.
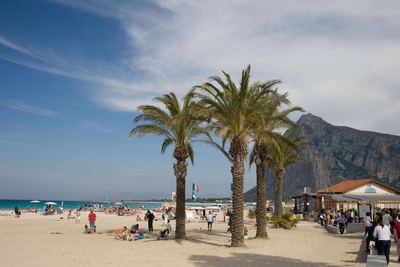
pixel 195 187
pixel 173 197
pixel 193 196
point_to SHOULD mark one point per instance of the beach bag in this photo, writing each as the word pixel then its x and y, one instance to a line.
pixel 140 236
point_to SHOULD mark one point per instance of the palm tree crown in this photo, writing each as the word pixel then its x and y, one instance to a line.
pixel 232 112
pixel 264 133
pixel 180 128
pixel 283 151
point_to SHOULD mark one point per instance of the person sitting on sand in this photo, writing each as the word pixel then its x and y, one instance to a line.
pixel 135 229
pixel 167 229
pixel 138 218
pixel 70 216
pixel 123 234
pixel 86 229
pixel 126 234
pixel 17 212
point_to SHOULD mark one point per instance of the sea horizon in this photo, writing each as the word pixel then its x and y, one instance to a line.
pixel 23 204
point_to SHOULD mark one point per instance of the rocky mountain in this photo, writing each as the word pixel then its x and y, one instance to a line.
pixel 335 154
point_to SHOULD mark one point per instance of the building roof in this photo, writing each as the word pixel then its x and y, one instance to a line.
pixel 348 185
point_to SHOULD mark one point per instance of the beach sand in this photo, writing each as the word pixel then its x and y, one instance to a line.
pixel 32 241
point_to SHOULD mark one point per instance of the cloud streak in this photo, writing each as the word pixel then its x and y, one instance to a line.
pixel 96 126
pixel 21 106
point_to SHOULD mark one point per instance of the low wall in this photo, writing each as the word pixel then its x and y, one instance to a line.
pixel 332 229
pixel 376 261
pixel 355 228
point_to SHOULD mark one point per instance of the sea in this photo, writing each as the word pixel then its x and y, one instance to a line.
pixel 10 204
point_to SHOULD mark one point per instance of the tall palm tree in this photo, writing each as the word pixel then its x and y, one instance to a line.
pixel 264 132
pixel 232 112
pixel 180 128
pixel 284 151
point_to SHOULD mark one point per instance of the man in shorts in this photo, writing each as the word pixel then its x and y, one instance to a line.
pixel 92 219
pixel 209 221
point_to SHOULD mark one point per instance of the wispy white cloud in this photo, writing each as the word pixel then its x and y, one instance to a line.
pixel 21 106
pixel 338 59
pixel 96 126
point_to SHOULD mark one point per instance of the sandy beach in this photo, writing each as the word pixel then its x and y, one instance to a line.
pixel 38 240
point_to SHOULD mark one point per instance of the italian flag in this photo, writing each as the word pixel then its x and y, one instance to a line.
pixel 195 188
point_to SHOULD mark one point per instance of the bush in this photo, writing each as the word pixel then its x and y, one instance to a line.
pixel 251 213
pixel 286 220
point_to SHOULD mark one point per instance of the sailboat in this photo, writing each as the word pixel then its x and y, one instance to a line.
pixel 106 200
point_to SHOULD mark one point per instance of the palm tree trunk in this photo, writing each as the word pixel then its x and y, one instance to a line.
pixel 278 190
pixel 238 152
pixel 261 212
pixel 180 170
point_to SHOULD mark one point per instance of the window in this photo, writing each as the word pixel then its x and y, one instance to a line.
pixel 370 190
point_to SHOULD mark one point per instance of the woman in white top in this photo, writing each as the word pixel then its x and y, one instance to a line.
pixel 382 233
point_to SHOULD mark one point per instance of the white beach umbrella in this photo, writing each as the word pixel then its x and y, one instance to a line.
pixel 196 208
pixel 35 201
pixel 212 208
pixel 50 203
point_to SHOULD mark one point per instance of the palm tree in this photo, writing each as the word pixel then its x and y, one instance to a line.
pixel 261 136
pixel 180 128
pixel 232 112
pixel 283 151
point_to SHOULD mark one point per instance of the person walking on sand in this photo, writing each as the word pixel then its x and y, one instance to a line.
pixel 369 230
pixel 165 217
pixel 150 218
pixel 382 233
pixel 92 219
pixel 209 221
pixel 341 221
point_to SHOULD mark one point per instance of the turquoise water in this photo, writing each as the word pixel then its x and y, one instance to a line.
pixel 10 204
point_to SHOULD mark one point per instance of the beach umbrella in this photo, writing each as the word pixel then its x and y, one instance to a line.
pixel 50 203
pixel 213 208
pixel 35 201
pixel 118 203
pixel 196 208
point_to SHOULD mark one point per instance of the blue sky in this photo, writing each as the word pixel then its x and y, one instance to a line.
pixel 72 74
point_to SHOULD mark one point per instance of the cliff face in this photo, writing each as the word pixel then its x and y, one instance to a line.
pixel 335 154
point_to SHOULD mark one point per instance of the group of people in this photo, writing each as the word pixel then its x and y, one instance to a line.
pixel 135 233
pixel 385 224
pixel 337 218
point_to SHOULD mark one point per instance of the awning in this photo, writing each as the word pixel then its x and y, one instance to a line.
pixel 373 198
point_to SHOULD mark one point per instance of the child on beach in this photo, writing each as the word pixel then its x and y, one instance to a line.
pixel 78 217
pixel 246 232
pixel 86 229
pixel 124 234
